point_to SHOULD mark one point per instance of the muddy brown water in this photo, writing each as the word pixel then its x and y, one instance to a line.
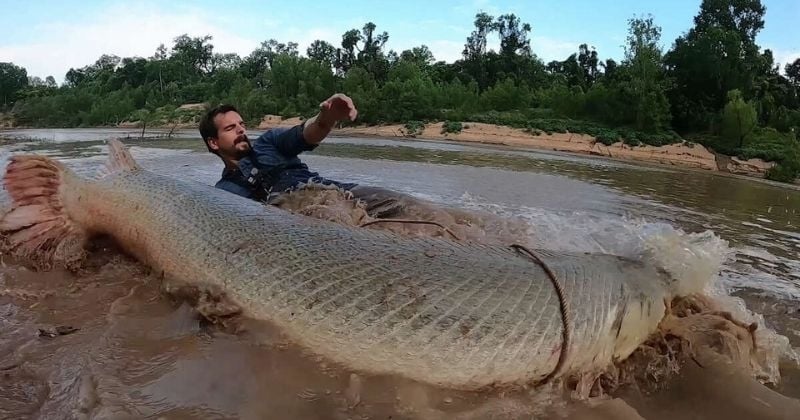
pixel 107 342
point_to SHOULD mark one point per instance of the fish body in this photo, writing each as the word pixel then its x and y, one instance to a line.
pixel 459 315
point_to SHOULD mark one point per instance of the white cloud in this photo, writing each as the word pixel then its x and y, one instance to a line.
pixel 305 36
pixel 784 57
pixel 549 49
pixel 121 30
pixel 444 50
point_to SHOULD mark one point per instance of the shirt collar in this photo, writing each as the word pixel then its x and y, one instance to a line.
pixel 244 166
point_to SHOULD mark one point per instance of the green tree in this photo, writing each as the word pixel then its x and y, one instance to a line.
pixel 476 61
pixel 322 52
pixel 363 89
pixel 420 56
pixel 645 87
pixel 475 48
pixel 515 59
pixel 717 55
pixel 408 94
pixel 364 49
pixel 513 36
pixel 456 99
pixel 571 72
pixel 193 54
pixel 506 95
pixel 739 119
pixel 13 79
pixel 774 94
pixel 588 61
pixel 579 69
pixel 228 62
pixel 793 72
pixel 159 58
pixel 371 56
pixel 299 83
pixel 255 65
pixel 609 69
pixel 35 82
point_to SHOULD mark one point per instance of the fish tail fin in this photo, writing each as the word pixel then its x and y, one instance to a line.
pixel 37 227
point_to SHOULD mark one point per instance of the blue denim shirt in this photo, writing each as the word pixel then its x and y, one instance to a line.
pixel 273 166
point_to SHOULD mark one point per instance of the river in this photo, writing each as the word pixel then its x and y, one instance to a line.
pixel 138 353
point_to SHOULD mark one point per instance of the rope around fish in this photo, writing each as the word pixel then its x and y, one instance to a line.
pixel 566 332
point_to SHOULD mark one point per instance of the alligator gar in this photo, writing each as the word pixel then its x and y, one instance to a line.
pixel 452 314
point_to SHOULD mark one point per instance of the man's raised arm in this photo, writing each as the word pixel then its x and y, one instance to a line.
pixel 334 109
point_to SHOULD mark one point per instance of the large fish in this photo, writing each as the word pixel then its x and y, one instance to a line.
pixel 458 315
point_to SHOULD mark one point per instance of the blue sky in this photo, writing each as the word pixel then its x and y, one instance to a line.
pixel 48 37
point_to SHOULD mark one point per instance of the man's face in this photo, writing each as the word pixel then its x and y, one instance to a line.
pixel 231 141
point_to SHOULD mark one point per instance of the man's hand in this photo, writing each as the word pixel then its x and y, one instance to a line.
pixel 335 109
pixel 338 107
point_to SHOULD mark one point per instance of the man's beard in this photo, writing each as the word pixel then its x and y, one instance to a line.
pixel 239 148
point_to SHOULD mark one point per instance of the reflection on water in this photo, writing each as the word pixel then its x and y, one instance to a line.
pixel 132 337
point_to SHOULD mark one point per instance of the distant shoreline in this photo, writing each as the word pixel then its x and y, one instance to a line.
pixel 685 155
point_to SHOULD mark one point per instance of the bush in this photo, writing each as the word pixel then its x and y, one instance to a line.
pixel 512 118
pixel 451 127
pixel 781 148
pixel 607 137
pixel 770 145
pixel 784 172
pixel 414 128
pixel 631 138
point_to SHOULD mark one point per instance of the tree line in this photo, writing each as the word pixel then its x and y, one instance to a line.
pixel 714 85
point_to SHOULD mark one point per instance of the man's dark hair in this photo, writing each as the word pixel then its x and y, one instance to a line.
pixel 207 127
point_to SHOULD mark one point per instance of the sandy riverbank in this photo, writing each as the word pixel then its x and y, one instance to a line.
pixel 686 155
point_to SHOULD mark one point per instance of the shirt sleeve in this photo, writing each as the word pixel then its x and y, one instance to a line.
pixel 288 141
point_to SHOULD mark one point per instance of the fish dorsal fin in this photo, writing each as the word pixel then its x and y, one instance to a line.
pixel 119 158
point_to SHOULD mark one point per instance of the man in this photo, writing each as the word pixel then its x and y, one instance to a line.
pixel 270 165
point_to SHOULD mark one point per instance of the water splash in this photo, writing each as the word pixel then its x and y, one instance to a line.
pixel 773 348
pixel 696 260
